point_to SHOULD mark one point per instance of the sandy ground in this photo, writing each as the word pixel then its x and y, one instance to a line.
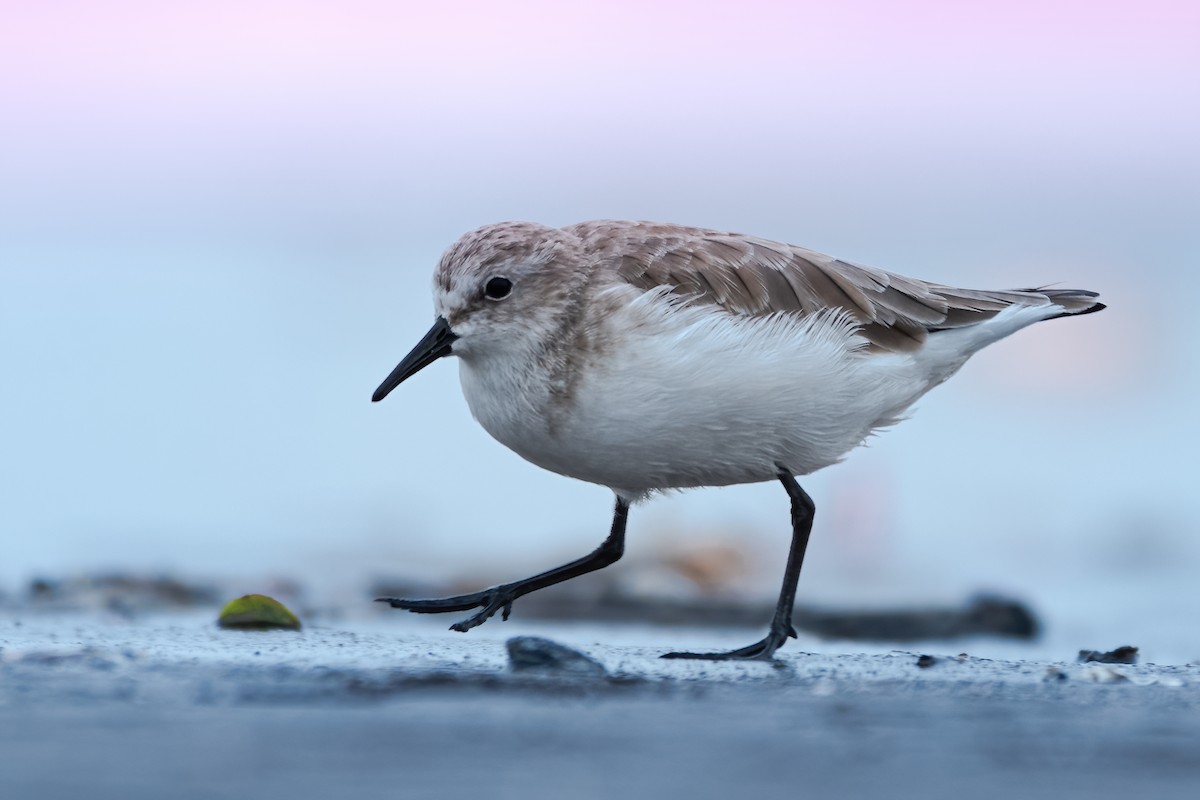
pixel 393 705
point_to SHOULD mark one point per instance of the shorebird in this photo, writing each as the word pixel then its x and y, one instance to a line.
pixel 647 357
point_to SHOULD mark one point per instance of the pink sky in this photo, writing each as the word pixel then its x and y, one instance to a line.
pixel 123 78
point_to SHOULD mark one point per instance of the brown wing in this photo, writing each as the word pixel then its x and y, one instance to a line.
pixel 752 276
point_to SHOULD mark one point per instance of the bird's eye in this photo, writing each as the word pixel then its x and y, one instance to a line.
pixel 498 288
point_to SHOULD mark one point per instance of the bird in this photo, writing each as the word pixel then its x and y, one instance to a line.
pixel 649 357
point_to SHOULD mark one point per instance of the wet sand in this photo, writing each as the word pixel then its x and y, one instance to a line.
pixel 170 706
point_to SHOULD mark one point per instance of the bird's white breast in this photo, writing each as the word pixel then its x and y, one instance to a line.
pixel 674 396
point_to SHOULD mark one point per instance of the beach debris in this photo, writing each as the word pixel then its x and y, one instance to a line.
pixel 611 602
pixel 535 654
pixel 1101 674
pixel 983 615
pixel 127 594
pixel 1126 654
pixel 257 612
pixel 1054 673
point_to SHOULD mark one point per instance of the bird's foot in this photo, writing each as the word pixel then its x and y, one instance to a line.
pixel 763 650
pixel 489 601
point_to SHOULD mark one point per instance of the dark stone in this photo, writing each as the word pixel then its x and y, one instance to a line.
pixel 533 653
pixel 1126 654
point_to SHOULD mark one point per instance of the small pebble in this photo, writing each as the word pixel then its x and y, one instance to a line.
pixel 1121 655
pixel 1055 674
pixel 1105 675
pixel 926 661
pixel 535 654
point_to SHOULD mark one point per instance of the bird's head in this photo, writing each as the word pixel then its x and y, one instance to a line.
pixel 500 289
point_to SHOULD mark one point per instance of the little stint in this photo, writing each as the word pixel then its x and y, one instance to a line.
pixel 646 357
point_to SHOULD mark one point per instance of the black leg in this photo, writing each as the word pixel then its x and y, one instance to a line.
pixel 781 624
pixel 500 598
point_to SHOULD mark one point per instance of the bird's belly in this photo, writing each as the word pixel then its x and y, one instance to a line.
pixel 615 442
pixel 714 409
pixel 702 444
pixel 685 437
pixel 663 459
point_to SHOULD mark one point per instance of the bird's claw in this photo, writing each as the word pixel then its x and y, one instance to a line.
pixel 495 599
pixel 763 650
pixel 489 601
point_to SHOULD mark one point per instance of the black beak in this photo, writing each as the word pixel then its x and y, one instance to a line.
pixel 435 345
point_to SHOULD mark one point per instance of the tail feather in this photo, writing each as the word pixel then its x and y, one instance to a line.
pixel 971 308
pixel 1074 302
pixel 947 349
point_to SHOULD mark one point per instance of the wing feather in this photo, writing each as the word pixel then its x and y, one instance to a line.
pixel 747 275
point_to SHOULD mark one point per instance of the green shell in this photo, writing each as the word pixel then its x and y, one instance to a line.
pixel 257 612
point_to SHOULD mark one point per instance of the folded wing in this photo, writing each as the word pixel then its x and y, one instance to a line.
pixel 752 276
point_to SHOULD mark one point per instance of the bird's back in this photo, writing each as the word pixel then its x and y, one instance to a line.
pixel 748 275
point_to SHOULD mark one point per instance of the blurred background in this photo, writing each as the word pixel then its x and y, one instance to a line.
pixel 218 223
